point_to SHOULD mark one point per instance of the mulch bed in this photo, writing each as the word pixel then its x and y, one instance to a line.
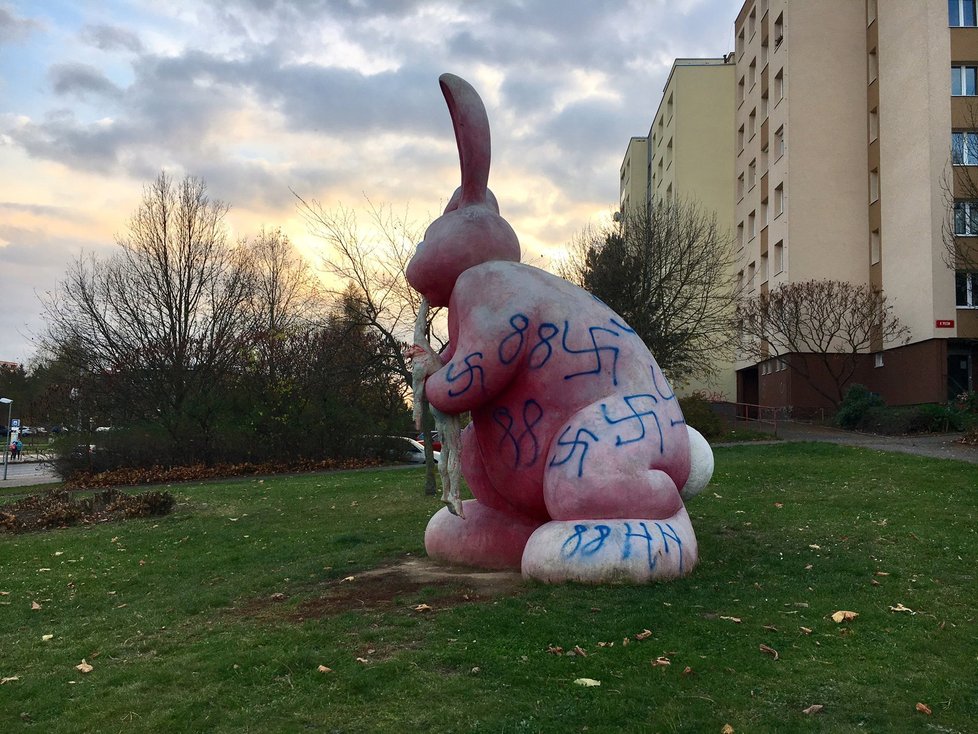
pixel 60 508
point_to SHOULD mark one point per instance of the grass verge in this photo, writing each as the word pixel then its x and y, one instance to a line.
pixel 217 617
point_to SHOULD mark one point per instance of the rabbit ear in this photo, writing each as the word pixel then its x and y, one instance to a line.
pixel 472 135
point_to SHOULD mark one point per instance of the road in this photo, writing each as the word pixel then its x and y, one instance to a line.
pixel 22 474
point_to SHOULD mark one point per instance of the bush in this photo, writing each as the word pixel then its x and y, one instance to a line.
pixel 857 402
pixel 698 412
pixel 903 420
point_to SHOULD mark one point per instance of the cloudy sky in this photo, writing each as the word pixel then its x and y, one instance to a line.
pixel 334 99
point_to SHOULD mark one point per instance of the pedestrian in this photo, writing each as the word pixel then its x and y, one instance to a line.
pixel 20 448
pixel 13 451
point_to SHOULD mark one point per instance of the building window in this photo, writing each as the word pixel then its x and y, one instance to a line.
pixel 874 124
pixel 751 174
pixel 764 213
pixel 779 141
pixel 873 70
pixel 752 225
pixel 740 236
pixel 752 23
pixel 874 247
pixel 779 257
pixel 669 108
pixel 752 124
pixel 870 12
pixel 966 289
pixel 740 139
pixel 878 359
pixel 961 13
pixel 966 218
pixel 964 148
pixel 740 91
pixel 874 185
pixel 740 281
pixel 779 200
pixel 779 85
pixel 963 81
pixel 752 73
pixel 763 268
pixel 740 43
pixel 751 269
pixel 740 187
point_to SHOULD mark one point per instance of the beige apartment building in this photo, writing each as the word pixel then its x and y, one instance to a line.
pixel 689 153
pixel 845 115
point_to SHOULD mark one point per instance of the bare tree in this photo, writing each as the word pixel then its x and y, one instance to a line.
pixel 820 323
pixel 667 271
pixel 166 316
pixel 369 266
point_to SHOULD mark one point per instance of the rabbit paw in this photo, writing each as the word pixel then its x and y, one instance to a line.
pixel 611 551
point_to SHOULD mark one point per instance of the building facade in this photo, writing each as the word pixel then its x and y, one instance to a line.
pixel 689 154
pixel 844 126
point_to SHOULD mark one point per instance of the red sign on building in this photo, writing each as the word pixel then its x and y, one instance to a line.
pixel 944 323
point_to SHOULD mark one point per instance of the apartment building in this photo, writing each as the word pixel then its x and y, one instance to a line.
pixel 689 154
pixel 844 126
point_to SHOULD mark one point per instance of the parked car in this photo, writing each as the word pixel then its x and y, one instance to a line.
pixel 26 431
pixel 412 451
pixel 435 440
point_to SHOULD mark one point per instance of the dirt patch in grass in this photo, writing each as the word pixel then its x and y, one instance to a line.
pixel 407 585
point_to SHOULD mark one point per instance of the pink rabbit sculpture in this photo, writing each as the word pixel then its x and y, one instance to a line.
pixel 577 454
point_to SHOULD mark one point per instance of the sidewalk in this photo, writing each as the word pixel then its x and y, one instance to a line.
pixel 934 445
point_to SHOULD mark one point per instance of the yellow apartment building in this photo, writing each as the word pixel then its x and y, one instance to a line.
pixel 689 154
pixel 845 115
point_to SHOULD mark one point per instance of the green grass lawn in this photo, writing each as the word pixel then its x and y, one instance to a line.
pixel 180 620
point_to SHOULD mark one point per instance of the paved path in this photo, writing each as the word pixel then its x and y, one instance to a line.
pixel 937 446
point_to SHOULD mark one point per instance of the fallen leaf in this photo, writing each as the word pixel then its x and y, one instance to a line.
pixel 84 667
pixel 476 670
pixel 924 708
pixel 643 635
pixel 35 606
pixel 45 638
pixel 779 505
pixel 348 578
pixel 142 562
pixel 625 641
pixel 806 630
pixel 687 670
pixel 900 608
pixel 735 620
pixel 4 593
pixel 767 650
pixel 809 567
pixel 813 709
pixel 42 570
pixel 277 596
pixel 606 644
pixel 727 729
pixel 844 616
pixel 363 660
pixel 12 678
pixel 587 682
pixel 814 546
pixel 874 582
pixel 661 661
pixel 882 573
pixel 718 496
pixel 555 650
pixel 578 651
pixel 324 669
pixel 422 608
pixel 770 628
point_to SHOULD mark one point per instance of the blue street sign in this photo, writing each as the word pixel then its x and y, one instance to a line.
pixel 15 423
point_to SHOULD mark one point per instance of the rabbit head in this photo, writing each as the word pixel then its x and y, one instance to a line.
pixel 470 231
